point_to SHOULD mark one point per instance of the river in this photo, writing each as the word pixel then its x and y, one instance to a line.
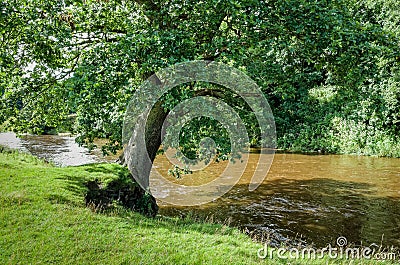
pixel 311 198
pixel 61 150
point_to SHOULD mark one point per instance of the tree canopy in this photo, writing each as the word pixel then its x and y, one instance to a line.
pixel 329 69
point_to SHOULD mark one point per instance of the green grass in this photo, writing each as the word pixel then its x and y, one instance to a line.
pixel 43 220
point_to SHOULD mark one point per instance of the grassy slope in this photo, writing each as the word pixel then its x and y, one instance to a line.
pixel 43 219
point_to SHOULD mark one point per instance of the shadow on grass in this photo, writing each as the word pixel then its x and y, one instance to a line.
pixel 102 185
pixel 59 199
pixel 77 177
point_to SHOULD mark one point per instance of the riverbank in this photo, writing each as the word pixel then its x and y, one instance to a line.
pixel 43 219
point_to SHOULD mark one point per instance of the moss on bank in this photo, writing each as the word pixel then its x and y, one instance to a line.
pixel 43 219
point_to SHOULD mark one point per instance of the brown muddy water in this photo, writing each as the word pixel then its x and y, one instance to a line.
pixel 310 198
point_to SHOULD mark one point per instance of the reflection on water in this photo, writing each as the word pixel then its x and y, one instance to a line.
pixel 61 150
pixel 318 197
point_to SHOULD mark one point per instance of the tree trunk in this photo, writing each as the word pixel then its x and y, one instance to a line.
pixel 141 156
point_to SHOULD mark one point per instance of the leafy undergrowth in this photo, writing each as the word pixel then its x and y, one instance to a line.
pixel 43 219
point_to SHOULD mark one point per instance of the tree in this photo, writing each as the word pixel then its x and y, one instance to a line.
pixel 328 68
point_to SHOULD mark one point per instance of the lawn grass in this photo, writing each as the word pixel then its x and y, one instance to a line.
pixel 44 220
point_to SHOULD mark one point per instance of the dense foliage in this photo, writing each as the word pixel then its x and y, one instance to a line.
pixel 330 68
